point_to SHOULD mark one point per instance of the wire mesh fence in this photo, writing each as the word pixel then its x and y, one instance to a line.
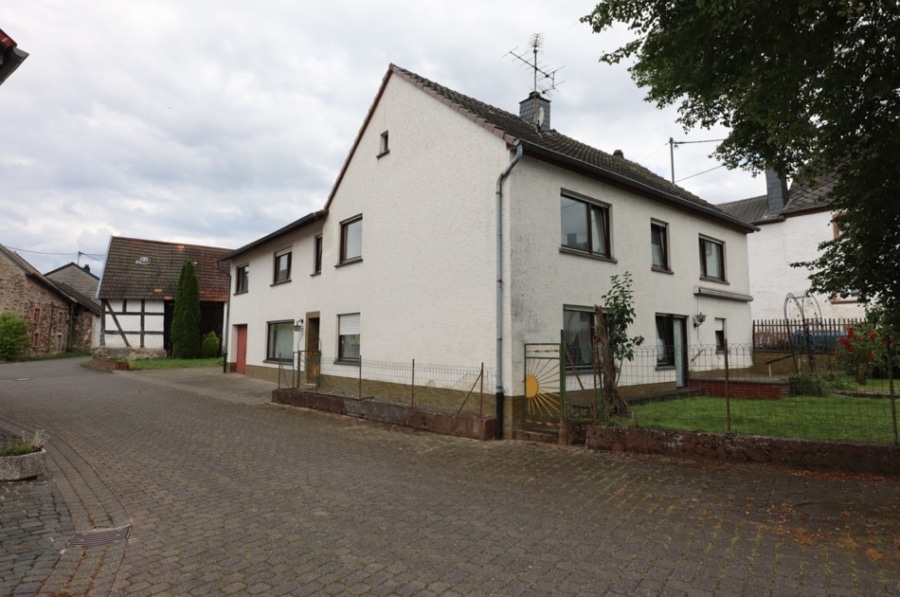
pixel 453 389
pixel 726 389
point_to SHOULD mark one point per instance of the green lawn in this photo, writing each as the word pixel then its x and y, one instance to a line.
pixel 839 418
pixel 146 364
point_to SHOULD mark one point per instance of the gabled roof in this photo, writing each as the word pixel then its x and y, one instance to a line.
pixel 148 269
pixel 295 225
pixel 805 195
pixel 30 272
pixel 10 56
pixel 551 146
pixel 78 283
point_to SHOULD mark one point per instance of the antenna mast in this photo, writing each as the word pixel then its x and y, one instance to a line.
pixel 540 74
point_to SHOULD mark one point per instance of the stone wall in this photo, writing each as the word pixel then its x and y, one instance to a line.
pixel 46 312
pixel 806 454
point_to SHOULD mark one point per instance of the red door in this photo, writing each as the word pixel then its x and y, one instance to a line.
pixel 240 364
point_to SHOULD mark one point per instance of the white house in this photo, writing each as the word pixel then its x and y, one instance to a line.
pixel 792 224
pixel 458 233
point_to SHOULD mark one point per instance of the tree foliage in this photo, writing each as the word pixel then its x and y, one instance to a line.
pixel 805 86
pixel 614 345
pixel 186 319
pixel 14 338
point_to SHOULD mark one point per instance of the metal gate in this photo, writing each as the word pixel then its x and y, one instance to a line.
pixel 544 386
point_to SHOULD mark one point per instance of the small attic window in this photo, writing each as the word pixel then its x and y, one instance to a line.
pixel 383 147
pixel 143 260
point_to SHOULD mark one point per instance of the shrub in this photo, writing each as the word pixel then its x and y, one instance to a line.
pixel 808 385
pixel 209 347
pixel 14 338
pixel 860 351
pixel 186 319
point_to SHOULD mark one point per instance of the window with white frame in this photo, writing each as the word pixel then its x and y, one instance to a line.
pixel 659 245
pixel 584 226
pixel 578 334
pixel 282 267
pixel 280 341
pixel 351 240
pixel 348 337
pixel 712 259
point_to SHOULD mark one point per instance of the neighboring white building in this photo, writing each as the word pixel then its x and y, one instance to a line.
pixel 792 224
pixel 403 262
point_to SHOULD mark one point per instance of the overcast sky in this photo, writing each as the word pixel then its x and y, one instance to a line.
pixel 218 122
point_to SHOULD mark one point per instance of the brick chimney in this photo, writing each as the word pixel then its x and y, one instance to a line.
pixel 536 110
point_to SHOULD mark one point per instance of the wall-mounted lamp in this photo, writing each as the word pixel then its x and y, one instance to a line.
pixel 699 318
pixel 298 325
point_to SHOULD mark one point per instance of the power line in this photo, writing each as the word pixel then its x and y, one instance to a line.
pixel 99 256
pixel 699 173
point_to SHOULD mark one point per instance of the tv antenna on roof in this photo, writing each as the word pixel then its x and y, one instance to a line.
pixel 544 78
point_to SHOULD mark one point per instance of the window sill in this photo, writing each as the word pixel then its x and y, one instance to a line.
pixel 280 282
pixel 662 270
pixel 715 280
pixel 382 154
pixel 665 367
pixel 314 274
pixel 241 292
pixel 349 362
pixel 278 361
pixel 568 251
pixel 349 262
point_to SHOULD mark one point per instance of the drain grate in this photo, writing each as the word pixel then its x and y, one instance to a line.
pixel 99 537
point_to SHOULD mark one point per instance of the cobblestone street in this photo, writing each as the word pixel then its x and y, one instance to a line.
pixel 227 494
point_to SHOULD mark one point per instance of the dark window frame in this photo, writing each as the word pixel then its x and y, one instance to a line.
pixel 719 334
pixel 666 333
pixel 317 255
pixel 663 233
pixel 704 265
pixel 242 278
pixel 576 347
pixel 346 226
pixel 591 210
pixel 281 267
pixel 272 341
pixel 384 146
pixel 343 346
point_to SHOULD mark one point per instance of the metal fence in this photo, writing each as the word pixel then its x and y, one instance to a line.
pixel 727 391
pixel 787 335
pixel 454 389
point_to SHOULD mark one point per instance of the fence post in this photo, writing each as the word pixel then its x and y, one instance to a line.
pixel 481 396
pixel 412 390
pixel 727 392
pixel 890 368
pixel 360 378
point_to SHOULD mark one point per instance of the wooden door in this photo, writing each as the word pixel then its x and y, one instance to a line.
pixel 240 363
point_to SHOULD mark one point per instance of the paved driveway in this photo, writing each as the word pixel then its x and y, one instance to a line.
pixel 226 494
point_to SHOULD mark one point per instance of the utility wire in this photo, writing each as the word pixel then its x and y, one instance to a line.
pixel 699 173
pixel 91 255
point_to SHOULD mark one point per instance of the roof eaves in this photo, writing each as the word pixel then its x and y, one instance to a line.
pixel 638 185
pixel 295 225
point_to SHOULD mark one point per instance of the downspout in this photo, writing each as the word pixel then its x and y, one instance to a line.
pixel 225 327
pixel 500 397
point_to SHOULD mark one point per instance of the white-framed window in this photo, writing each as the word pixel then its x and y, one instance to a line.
pixel 348 337
pixel 712 259
pixel 280 341
pixel 584 226
pixel 351 240
pixel 579 325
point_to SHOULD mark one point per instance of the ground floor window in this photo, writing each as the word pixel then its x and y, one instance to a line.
pixel 348 337
pixel 281 341
pixel 665 341
pixel 578 333
pixel 720 335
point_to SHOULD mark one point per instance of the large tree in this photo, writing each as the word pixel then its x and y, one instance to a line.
pixel 807 86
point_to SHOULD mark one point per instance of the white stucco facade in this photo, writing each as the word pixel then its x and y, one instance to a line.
pixel 794 239
pixel 422 178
